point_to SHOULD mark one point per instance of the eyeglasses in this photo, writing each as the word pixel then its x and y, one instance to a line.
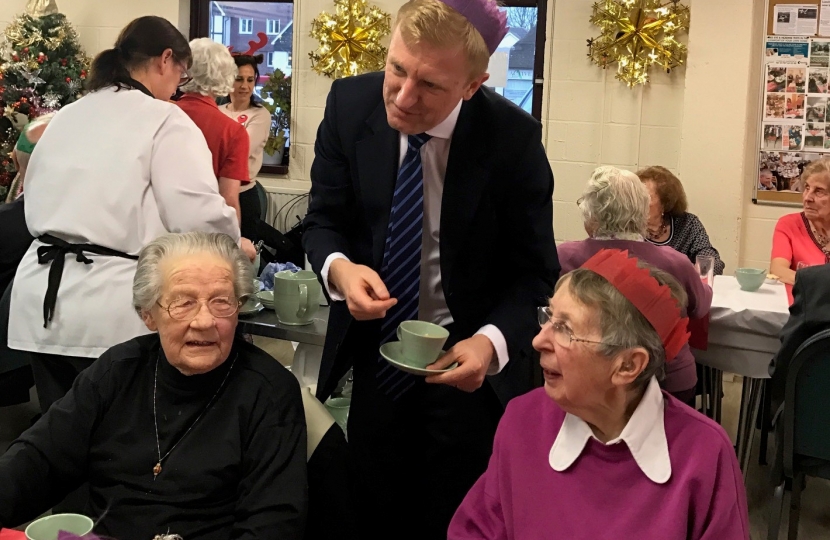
pixel 185 309
pixel 185 77
pixel 563 335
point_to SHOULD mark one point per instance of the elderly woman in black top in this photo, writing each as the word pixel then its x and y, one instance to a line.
pixel 669 224
pixel 188 430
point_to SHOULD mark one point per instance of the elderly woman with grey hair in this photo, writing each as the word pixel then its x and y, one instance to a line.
pixel 614 209
pixel 188 430
pixel 212 75
pixel 601 451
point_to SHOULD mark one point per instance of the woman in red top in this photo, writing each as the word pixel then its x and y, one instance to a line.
pixel 804 237
pixel 213 73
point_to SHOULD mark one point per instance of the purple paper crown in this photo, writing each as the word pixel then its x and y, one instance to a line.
pixel 485 17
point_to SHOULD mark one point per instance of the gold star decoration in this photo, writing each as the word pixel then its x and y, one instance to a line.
pixel 638 34
pixel 349 39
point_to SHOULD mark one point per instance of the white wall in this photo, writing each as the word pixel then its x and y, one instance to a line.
pixel 592 119
pixel 699 121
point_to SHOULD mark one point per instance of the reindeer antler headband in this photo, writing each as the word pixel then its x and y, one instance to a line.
pixel 253 45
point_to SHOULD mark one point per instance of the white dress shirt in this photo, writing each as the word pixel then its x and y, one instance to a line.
pixel 432 306
pixel 644 434
pixel 115 169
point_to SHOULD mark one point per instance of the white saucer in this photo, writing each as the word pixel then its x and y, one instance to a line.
pixel 392 353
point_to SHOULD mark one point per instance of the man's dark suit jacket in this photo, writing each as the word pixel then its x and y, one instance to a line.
pixel 809 314
pixel 498 257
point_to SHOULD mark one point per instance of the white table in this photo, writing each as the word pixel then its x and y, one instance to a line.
pixel 744 327
pixel 743 338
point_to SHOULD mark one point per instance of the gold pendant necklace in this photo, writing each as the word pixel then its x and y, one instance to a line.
pixel 157 467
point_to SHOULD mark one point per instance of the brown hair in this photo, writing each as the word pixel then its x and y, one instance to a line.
pixel 253 61
pixel 142 39
pixel 435 23
pixel 621 323
pixel 668 187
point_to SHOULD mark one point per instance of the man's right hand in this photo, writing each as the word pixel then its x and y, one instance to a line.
pixel 365 293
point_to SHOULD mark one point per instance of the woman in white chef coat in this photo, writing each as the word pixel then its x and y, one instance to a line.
pixel 116 169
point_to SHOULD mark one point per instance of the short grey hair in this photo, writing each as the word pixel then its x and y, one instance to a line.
pixel 621 323
pixel 614 201
pixel 213 68
pixel 148 281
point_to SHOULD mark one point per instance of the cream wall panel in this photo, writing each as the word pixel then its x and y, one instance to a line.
pixel 623 105
pixel 569 181
pixel 577 101
pixel 759 222
pixel 620 144
pixel 714 138
pixel 659 146
pixel 663 105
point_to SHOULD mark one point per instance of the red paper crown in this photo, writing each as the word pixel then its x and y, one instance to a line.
pixel 650 298
pixel 253 46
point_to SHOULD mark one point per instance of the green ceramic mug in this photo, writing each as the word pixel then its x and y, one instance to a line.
pixel 421 342
pixel 296 296
pixel 47 528
pixel 339 409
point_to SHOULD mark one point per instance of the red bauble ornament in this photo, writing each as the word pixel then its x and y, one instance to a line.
pixel 68 80
pixel 40 60
pixel 26 50
pixel 63 62
pixel 15 58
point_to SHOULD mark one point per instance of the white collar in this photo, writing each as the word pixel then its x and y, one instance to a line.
pixel 621 236
pixel 445 129
pixel 644 434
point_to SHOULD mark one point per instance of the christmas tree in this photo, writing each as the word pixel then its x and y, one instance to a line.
pixel 42 67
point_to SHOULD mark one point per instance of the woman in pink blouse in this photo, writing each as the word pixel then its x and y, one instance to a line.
pixel 804 237
pixel 601 451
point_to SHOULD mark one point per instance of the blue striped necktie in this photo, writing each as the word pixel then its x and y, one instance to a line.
pixel 401 269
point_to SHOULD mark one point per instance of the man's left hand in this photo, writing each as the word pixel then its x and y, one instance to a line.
pixel 473 356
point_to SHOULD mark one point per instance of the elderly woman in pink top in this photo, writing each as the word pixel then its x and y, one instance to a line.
pixel 804 237
pixel 601 451
pixel 614 209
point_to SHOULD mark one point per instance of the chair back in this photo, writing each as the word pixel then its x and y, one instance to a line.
pixel 263 200
pixel 807 402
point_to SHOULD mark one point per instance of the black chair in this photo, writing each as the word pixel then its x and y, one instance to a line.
pixel 803 430
pixel 263 200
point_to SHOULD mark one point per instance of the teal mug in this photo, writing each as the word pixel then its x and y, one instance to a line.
pixel 296 296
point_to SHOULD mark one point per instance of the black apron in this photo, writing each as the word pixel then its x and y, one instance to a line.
pixel 54 254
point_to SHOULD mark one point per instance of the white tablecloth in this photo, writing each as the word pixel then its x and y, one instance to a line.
pixel 744 327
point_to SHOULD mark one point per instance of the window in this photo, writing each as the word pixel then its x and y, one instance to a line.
pixel 516 70
pixel 218 28
pixel 269 23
